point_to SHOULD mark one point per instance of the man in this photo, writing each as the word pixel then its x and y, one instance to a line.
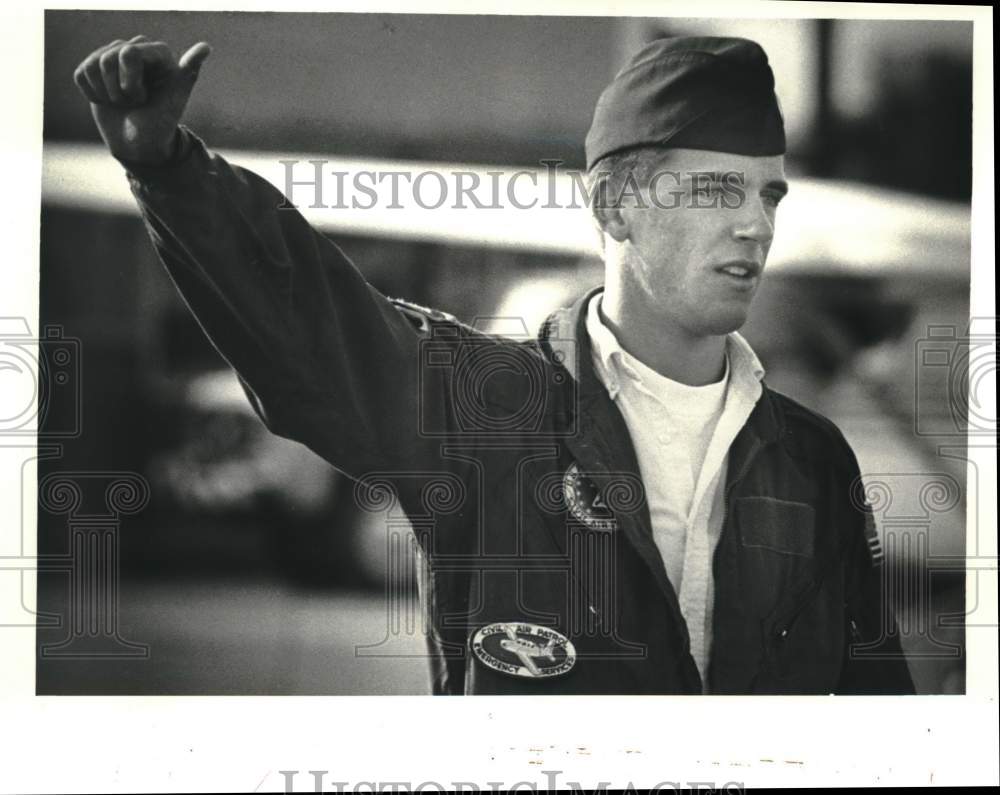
pixel 620 506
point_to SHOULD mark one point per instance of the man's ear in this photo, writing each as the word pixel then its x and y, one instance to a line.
pixel 612 221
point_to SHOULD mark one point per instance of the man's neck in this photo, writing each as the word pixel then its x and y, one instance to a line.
pixel 664 348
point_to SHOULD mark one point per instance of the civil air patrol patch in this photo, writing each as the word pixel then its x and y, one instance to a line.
pixel 524 650
pixel 584 500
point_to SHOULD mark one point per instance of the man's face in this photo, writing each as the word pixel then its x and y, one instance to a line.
pixel 698 238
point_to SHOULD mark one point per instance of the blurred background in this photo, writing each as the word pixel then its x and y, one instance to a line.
pixel 242 563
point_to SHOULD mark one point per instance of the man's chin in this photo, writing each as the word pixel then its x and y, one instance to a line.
pixel 724 320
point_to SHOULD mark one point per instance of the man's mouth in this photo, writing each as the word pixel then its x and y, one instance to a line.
pixel 740 269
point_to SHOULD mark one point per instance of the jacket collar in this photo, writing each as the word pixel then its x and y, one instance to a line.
pixel 564 336
pixel 615 366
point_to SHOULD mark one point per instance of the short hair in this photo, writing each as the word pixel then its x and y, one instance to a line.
pixel 609 178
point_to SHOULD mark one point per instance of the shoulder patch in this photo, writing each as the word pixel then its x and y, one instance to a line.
pixel 422 317
pixel 872 538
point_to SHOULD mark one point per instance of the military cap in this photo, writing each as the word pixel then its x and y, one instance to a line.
pixel 690 92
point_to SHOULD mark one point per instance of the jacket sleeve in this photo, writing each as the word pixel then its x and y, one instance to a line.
pixel 874 662
pixel 325 359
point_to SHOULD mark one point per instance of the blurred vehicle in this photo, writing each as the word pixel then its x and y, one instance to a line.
pixel 226 460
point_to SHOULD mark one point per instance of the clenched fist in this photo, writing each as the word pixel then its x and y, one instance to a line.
pixel 137 91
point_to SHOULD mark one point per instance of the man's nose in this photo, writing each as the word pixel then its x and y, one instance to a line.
pixel 754 222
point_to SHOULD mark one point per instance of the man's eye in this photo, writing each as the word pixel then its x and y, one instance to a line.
pixel 772 197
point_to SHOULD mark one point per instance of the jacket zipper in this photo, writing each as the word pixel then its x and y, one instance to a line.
pixel 784 626
pixel 729 488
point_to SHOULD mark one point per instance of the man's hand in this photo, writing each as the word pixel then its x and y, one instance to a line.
pixel 137 92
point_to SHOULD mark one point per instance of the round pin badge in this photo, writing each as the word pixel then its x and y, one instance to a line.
pixel 584 500
pixel 523 650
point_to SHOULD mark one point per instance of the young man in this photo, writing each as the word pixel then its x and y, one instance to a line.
pixel 620 506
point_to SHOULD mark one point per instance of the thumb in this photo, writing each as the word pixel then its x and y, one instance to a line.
pixel 191 61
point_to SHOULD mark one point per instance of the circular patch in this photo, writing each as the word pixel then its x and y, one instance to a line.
pixel 584 501
pixel 525 650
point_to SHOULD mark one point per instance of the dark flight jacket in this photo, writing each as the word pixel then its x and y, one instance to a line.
pixel 517 471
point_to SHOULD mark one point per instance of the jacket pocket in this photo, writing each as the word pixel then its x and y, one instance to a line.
pixel 780 526
pixel 776 553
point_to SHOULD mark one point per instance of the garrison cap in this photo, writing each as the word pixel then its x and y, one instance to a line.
pixel 690 92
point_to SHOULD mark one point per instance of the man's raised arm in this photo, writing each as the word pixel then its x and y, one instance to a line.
pixel 324 357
